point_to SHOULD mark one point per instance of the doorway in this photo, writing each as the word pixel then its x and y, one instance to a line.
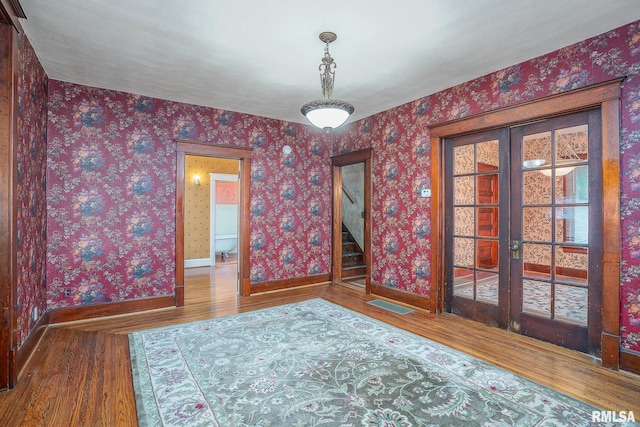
pixel 521 250
pixel 351 246
pixel 243 157
pixel 223 219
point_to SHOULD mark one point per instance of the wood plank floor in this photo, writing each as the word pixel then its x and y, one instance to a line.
pixel 80 373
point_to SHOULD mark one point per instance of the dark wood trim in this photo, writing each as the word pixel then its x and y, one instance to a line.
pixel 276 285
pixel 10 11
pixel 611 235
pixel 5 199
pixel 605 96
pixel 245 220
pixel 610 351
pixel 351 157
pixel 630 361
pixel 554 105
pixel 438 221
pixel 243 155
pixel 71 314
pixel 336 235
pixel 195 148
pixel 8 212
pixel 337 162
pixel 180 177
pixel 401 296
pixel 13 366
pixel 31 343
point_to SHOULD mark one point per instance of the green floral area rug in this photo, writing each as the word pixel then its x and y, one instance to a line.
pixel 315 363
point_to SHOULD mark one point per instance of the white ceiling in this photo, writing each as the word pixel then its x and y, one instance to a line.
pixel 261 57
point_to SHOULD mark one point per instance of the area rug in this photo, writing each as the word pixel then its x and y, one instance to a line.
pixel 315 363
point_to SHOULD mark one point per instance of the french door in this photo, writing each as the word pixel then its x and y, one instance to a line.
pixel 522 229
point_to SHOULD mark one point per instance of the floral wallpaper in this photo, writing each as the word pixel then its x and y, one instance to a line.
pixel 31 189
pixel 111 193
pixel 290 204
pixel 401 221
pixel 111 163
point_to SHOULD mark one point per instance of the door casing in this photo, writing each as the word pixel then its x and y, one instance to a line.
pixel 605 96
pixel 507 312
pixel 361 156
pixel 184 148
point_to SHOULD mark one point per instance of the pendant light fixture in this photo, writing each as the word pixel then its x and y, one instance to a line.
pixel 327 113
pixel 569 157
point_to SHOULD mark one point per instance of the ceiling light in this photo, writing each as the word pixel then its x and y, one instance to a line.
pixel 327 113
pixel 564 148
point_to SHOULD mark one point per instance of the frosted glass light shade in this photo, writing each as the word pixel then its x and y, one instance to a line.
pixel 327 113
pixel 559 171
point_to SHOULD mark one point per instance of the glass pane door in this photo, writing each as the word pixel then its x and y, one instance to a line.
pixel 552 205
pixel 477 168
pixel 523 213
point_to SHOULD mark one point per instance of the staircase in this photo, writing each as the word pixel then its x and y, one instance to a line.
pixel 352 256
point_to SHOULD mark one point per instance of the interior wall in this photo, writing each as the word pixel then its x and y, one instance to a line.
pixel 197 232
pixel 401 226
pixel 31 189
pixel 112 168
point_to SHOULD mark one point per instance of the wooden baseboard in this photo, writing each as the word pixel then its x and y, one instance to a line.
pixel 401 296
pixel 610 351
pixel 70 314
pixel 275 285
pixel 31 343
pixel 630 361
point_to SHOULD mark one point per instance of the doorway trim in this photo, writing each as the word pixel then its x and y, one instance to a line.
pixel 606 97
pixel 184 148
pixel 360 156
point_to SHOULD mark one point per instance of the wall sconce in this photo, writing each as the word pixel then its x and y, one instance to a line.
pixel 196 180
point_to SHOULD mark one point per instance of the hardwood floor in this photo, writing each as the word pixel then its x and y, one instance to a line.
pixel 80 373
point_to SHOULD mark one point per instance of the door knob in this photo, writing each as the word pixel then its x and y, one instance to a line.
pixel 515 249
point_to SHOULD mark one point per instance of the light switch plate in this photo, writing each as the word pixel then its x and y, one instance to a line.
pixel 425 192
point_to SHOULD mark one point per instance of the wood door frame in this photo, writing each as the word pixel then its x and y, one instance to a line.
pixel 606 97
pixel 9 366
pixel 337 162
pixel 243 155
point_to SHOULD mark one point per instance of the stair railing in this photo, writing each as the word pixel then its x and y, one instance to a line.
pixel 346 193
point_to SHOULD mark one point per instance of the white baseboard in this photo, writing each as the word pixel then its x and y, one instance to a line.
pixel 201 262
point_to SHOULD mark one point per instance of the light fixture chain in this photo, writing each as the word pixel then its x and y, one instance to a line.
pixel 327 74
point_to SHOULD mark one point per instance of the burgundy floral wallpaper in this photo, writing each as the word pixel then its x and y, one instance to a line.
pixel 31 189
pixel 401 164
pixel 111 166
pixel 111 193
